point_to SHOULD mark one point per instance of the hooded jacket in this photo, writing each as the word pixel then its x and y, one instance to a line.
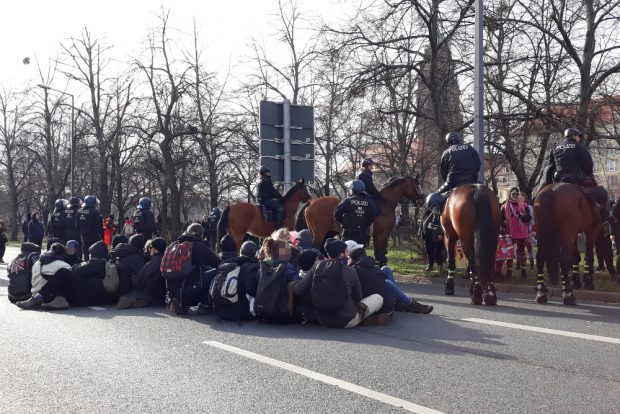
pixel 87 281
pixel 247 281
pixel 149 280
pixel 129 260
pixel 46 267
pixel 372 280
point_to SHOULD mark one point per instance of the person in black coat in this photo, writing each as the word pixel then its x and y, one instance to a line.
pixel 90 223
pixel 149 288
pixel 366 177
pixel 25 228
pixel 570 161
pixel 70 221
pixel 372 280
pixel 356 214
pixel 144 220
pixel 56 225
pixel 86 288
pixel 269 197
pixel 129 259
pixel 460 163
pixel 36 232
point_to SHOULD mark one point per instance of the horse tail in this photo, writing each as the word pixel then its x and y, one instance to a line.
pixel 547 233
pixel 485 239
pixel 300 220
pixel 222 225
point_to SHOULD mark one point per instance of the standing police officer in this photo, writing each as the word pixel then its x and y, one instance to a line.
pixel 366 177
pixel 570 161
pixel 90 223
pixel 356 214
pixel 143 219
pixel 269 197
pixel 70 221
pixel 55 225
pixel 460 163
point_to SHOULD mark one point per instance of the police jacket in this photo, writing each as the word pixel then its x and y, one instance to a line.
pixel 267 191
pixel 90 223
pixel 358 211
pixel 56 225
pixel 366 177
pixel 70 223
pixel 144 221
pixel 460 163
pixel 570 158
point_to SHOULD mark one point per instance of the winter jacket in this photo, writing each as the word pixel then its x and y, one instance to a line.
pixel 46 267
pixel 129 261
pixel 247 282
pixel 70 224
pixel 20 272
pixel 150 282
pixel 90 223
pixel 86 287
pixel 303 297
pixel 372 280
pixel 460 164
pixel 266 190
pixel 144 223
pixel 202 255
pixel 366 177
pixel 569 159
pixel 35 230
pixel 357 211
pixel 517 227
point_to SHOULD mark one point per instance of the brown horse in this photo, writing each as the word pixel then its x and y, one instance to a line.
pixel 242 218
pixel 472 215
pixel 317 215
pixel 561 212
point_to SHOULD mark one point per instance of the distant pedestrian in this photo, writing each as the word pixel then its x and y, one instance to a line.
pixel 3 240
pixel 36 232
pixel 25 227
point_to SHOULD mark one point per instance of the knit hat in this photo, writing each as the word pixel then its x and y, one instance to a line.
pixel 248 249
pixel 118 239
pixel 335 248
pixel 228 244
pixel 72 244
pixel 159 244
pixel 138 241
pixel 352 245
pixel 306 259
pixel 304 239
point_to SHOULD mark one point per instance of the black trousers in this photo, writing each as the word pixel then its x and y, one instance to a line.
pixel 361 236
pixel 434 249
pixel 2 248
pixel 57 285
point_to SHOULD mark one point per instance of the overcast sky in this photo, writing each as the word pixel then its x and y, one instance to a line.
pixel 36 27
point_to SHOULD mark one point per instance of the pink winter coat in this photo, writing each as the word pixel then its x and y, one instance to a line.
pixel 516 227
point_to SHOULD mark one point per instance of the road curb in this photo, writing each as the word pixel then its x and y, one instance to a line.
pixel 606 297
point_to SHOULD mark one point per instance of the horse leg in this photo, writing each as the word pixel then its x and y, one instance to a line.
pixel 566 259
pixel 380 239
pixel 588 277
pixel 575 271
pixel 451 247
pixel 541 289
pixel 475 289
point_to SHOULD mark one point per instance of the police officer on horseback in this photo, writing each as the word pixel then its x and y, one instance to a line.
pixel 366 177
pixel 570 161
pixel 356 214
pixel 460 164
pixel 269 197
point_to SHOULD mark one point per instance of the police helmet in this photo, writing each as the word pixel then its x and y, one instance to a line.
pixel 75 201
pixel 453 138
pixel 144 203
pixel 572 131
pixel 264 170
pixel 90 201
pixel 367 162
pixel 60 204
pixel 434 199
pixel 357 186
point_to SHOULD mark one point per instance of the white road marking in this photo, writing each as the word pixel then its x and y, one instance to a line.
pixel 162 314
pixel 607 339
pixel 366 392
pixel 97 308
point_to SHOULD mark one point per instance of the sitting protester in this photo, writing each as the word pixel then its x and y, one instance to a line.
pixel 129 259
pixel 307 260
pixel 149 288
pixel 228 246
pixel 50 270
pixel 274 294
pixel 235 285
pixel 305 241
pixel 87 283
pixel 51 241
pixel 20 272
pixel 73 253
pixel 118 239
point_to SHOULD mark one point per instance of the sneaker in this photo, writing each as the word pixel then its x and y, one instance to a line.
pixel 34 302
pixel 400 306
pixel 380 319
pixel 125 302
pixel 418 307
pixel 59 302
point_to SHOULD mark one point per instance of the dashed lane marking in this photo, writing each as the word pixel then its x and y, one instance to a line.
pixel 607 339
pixel 366 392
pixel 97 308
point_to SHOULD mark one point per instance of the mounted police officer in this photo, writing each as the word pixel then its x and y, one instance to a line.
pixel 269 197
pixel 356 214
pixel 143 220
pixel 90 223
pixel 460 164
pixel 366 177
pixel 70 221
pixel 570 161
pixel 55 225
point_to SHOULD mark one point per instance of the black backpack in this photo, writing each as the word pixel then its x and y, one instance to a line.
pixel 20 276
pixel 329 290
pixel 271 294
pixel 223 290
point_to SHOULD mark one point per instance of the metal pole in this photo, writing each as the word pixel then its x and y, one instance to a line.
pixel 72 143
pixel 479 88
pixel 286 139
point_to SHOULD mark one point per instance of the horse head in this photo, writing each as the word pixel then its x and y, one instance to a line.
pixel 413 190
pixel 298 193
pixel 399 187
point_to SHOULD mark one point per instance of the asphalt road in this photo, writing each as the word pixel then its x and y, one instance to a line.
pixel 456 360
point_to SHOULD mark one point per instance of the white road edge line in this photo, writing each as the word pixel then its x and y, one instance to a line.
pixel 384 398
pixel 607 339
pixel 97 308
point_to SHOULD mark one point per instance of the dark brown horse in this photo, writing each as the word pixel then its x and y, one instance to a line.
pixel 472 215
pixel 242 218
pixel 318 214
pixel 562 211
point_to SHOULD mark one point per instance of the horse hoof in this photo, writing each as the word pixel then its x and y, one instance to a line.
pixel 450 287
pixel 569 299
pixel 476 297
pixel 541 298
pixel 490 299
